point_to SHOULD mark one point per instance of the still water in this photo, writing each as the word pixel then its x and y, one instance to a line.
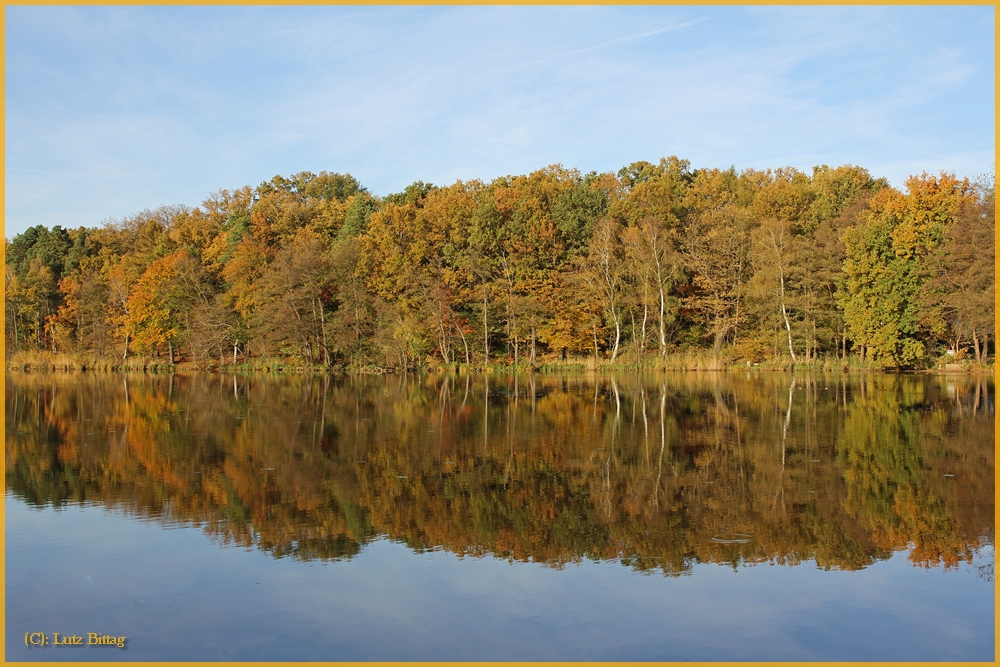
pixel 652 517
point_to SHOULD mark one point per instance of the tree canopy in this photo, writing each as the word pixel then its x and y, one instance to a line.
pixel 555 264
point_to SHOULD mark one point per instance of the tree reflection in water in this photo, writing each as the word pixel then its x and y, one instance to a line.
pixel 658 471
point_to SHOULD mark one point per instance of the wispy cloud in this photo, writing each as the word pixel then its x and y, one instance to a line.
pixel 115 109
pixel 596 47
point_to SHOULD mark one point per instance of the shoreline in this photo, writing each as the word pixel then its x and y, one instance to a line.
pixel 677 362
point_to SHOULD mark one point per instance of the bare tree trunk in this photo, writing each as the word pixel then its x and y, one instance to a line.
pixel 595 345
pixel 645 317
pixel 784 313
pixel 720 333
pixel 322 326
pixel 663 333
pixel 508 326
pixel 739 293
pixel 486 332
pixel 815 345
pixel 444 341
pixel 618 335
pixel 461 333
pixel 638 352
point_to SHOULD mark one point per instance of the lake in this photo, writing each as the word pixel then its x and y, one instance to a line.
pixel 688 516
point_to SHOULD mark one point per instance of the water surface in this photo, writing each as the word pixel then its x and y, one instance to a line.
pixel 662 517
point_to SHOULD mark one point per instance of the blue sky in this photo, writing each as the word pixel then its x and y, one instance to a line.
pixel 112 110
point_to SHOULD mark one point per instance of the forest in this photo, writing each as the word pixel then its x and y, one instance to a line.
pixel 657 266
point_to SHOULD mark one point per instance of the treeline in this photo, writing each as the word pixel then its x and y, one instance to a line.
pixel 653 470
pixel 624 268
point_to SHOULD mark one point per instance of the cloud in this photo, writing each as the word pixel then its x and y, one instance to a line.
pixel 130 108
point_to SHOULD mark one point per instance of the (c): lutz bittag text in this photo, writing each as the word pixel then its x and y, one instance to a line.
pixel 89 639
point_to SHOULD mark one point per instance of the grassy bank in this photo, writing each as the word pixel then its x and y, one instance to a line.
pixel 686 360
pixel 61 361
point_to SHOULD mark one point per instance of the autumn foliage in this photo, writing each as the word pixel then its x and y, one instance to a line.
pixel 624 268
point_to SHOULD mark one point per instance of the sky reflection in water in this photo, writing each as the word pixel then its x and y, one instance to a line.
pixel 592 509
